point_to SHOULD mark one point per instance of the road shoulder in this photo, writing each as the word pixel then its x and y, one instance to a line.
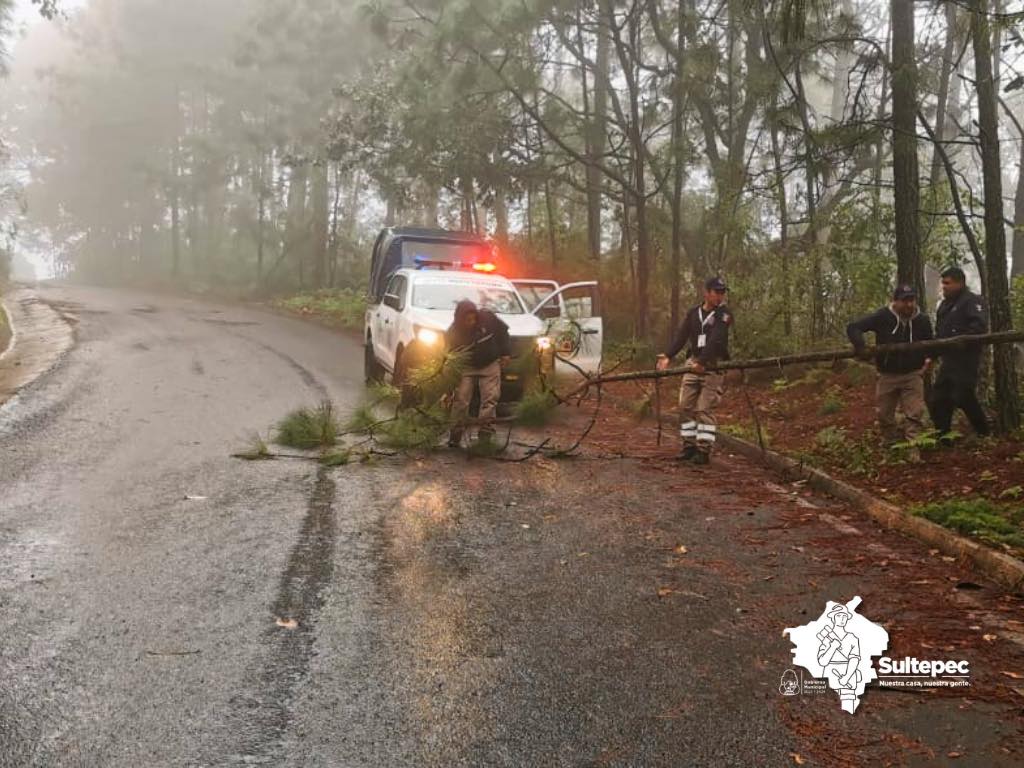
pixel 40 335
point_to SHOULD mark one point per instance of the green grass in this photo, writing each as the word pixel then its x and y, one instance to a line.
pixel 337 458
pixel 747 432
pixel 815 376
pixel 861 456
pixel 642 407
pixel 257 450
pixel 832 403
pixel 414 428
pixel 362 419
pixel 640 353
pixel 858 373
pixel 344 307
pixel 536 408
pixel 308 428
pixel 978 518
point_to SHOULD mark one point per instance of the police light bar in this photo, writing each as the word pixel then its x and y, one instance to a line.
pixel 422 262
pixel 425 262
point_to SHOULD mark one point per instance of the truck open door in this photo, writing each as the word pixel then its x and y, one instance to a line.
pixel 573 316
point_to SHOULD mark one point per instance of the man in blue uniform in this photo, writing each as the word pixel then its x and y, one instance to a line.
pixel 961 313
pixel 704 335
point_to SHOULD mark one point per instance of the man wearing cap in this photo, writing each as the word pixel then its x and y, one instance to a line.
pixel 483 338
pixel 961 313
pixel 900 374
pixel 705 335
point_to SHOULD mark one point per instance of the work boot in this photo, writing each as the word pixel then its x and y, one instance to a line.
pixel 455 438
pixel 702 457
pixel 688 452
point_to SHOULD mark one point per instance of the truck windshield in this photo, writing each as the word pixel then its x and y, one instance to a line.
pixel 447 295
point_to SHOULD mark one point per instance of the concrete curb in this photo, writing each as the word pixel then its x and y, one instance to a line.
pixel 1007 571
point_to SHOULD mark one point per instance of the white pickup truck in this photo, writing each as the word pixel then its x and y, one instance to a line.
pixel 413 305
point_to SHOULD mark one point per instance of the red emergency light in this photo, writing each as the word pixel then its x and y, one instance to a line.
pixel 485 266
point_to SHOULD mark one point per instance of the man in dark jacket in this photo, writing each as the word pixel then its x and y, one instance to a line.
pixel 483 337
pixel 900 374
pixel 961 313
pixel 705 335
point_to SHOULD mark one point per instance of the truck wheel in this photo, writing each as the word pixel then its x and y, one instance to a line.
pixel 372 371
pixel 410 395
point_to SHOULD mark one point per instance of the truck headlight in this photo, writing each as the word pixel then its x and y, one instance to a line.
pixel 428 336
pixel 544 343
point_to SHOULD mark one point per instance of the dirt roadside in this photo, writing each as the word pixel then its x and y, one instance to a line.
pixel 40 335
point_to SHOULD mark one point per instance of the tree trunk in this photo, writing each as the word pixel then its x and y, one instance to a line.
pixel 945 76
pixel 629 59
pixel 319 223
pixel 549 204
pixel 909 267
pixel 468 223
pixel 261 215
pixel 815 245
pixel 1007 396
pixel 175 212
pixel 844 63
pixel 780 194
pixel 1017 267
pixel 295 229
pixel 501 214
pixel 596 141
pixel 332 238
pixel 678 169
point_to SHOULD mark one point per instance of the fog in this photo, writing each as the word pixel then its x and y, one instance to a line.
pixel 257 147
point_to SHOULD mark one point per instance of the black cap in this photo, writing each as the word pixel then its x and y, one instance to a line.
pixel 715 284
pixel 904 292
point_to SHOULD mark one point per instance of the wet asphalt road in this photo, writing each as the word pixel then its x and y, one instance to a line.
pixel 446 612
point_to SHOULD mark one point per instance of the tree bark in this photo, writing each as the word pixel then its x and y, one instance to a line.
pixel 175 211
pixel 909 267
pixel 780 194
pixel 295 228
pixel 629 59
pixel 261 214
pixel 945 78
pixel 549 205
pixel 500 214
pixel 1004 340
pixel 1017 267
pixel 998 292
pixel 678 168
pixel 319 223
pixel 596 139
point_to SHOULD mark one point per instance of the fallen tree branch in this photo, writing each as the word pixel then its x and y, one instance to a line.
pixel 847 353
